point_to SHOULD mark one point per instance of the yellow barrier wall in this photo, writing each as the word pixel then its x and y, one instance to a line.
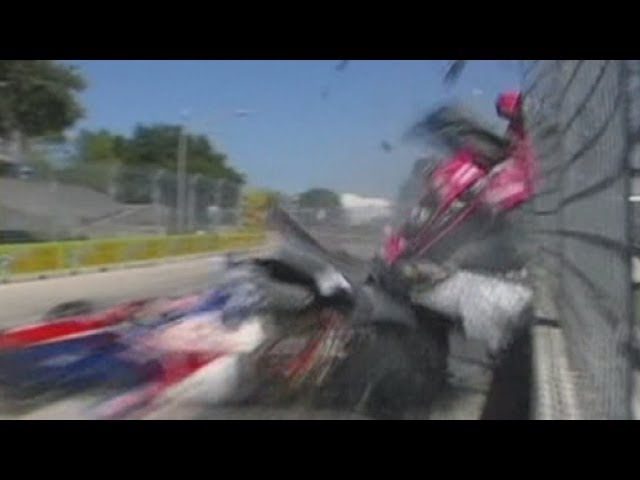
pixel 48 257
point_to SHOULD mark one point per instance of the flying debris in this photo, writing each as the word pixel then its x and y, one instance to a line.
pixel 325 94
pixel 386 146
pixel 453 71
pixel 243 113
pixel 342 65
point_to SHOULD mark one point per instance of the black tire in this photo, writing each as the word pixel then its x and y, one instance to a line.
pixel 415 379
pixel 68 309
pixel 390 372
pixel 285 297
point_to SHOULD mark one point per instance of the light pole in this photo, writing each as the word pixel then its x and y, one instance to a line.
pixel 181 178
pixel 192 198
pixel 181 173
pixel 182 161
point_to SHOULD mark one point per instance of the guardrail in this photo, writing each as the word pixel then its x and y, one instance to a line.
pixel 59 257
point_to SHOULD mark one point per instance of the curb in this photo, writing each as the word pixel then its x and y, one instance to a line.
pixel 126 266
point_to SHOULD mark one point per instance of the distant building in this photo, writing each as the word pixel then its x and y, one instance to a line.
pixel 361 210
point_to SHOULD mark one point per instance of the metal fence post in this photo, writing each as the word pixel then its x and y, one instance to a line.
pixel 113 181
pixel 157 198
pixel 192 194
pixel 182 178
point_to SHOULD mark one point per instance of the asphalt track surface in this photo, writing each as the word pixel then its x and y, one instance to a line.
pixel 24 303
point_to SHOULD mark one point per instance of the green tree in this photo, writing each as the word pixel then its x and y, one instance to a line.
pixel 157 146
pixel 94 160
pixel 319 198
pixel 38 97
pixel 150 148
pixel 101 148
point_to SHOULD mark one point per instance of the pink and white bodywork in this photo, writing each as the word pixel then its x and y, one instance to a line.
pixel 499 189
pixel 513 181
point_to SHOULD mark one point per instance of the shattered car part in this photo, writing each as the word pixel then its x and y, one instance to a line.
pixel 489 308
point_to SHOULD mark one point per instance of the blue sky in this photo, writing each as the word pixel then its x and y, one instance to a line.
pixel 293 138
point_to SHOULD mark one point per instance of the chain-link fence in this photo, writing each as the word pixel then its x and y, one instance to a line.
pixel 585 116
pixel 358 231
pixel 90 201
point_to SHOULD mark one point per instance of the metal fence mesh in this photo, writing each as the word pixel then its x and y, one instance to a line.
pixel 358 231
pixel 581 114
pixel 105 201
pixel 585 119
